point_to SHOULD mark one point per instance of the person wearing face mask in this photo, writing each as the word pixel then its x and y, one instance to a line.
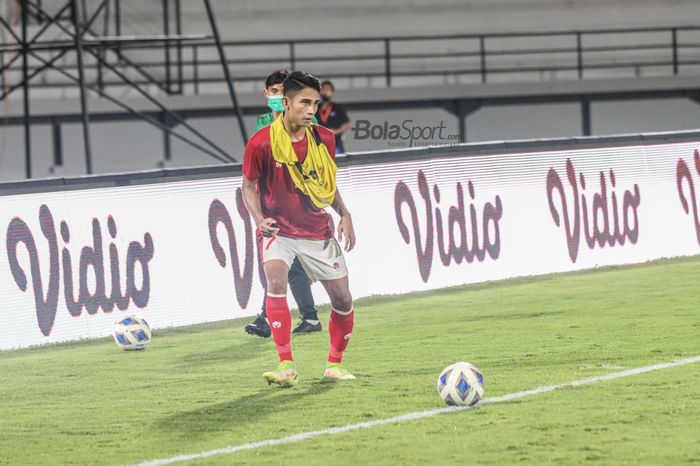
pixel 299 281
pixel 273 93
pixel 333 116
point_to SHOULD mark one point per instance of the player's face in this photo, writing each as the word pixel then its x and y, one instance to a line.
pixel 275 89
pixel 302 106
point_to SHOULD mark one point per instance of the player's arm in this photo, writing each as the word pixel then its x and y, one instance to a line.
pixel 345 227
pixel 343 128
pixel 251 199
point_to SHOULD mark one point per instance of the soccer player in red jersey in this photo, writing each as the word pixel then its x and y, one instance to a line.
pixel 288 179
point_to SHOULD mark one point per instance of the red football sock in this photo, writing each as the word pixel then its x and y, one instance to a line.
pixel 340 329
pixel 281 325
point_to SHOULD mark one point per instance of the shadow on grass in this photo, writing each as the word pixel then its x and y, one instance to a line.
pixel 249 409
pixel 510 316
pixel 239 351
pixel 242 348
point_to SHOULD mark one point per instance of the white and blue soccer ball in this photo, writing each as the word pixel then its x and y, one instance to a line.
pixel 132 333
pixel 461 384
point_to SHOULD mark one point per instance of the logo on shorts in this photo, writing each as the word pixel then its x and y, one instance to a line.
pixel 336 265
pixel 347 337
pixel 276 324
pixel 278 165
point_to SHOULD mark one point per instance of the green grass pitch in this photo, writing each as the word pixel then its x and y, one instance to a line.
pixel 200 388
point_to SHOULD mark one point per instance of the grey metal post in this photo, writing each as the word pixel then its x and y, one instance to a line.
pixel 25 74
pixel 75 15
pixel 166 48
pixel 579 55
pixel 118 20
pixel 461 123
pixel 57 144
pixel 227 74
pixel 674 44
pixel 195 69
pixel 586 117
pixel 178 31
pixel 167 146
pixel 292 56
pixel 387 62
pixel 482 58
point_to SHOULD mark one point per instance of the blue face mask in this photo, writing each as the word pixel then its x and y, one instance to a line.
pixel 275 103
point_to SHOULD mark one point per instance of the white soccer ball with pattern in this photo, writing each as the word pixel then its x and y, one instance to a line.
pixel 132 333
pixel 461 384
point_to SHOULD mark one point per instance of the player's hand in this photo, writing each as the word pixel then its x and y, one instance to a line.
pixel 268 227
pixel 346 229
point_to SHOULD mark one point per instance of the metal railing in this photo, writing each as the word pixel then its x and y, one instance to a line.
pixel 483 58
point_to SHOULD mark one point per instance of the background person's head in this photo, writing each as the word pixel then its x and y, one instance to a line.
pixel 274 89
pixel 274 84
pixel 301 97
pixel 327 90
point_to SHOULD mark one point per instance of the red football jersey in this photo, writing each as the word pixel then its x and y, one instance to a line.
pixel 295 213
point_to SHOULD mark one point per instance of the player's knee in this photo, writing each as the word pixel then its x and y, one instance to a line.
pixel 276 285
pixel 342 303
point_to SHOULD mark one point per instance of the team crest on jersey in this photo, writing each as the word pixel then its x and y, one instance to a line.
pixel 276 324
pixel 278 165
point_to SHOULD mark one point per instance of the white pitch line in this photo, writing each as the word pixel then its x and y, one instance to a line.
pixel 418 414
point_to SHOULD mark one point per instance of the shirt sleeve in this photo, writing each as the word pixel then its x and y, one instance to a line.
pixel 260 123
pixel 252 161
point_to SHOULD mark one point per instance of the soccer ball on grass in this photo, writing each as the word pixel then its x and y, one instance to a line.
pixel 132 333
pixel 461 384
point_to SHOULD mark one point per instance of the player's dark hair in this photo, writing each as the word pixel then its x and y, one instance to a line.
pixel 277 77
pixel 328 83
pixel 298 80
